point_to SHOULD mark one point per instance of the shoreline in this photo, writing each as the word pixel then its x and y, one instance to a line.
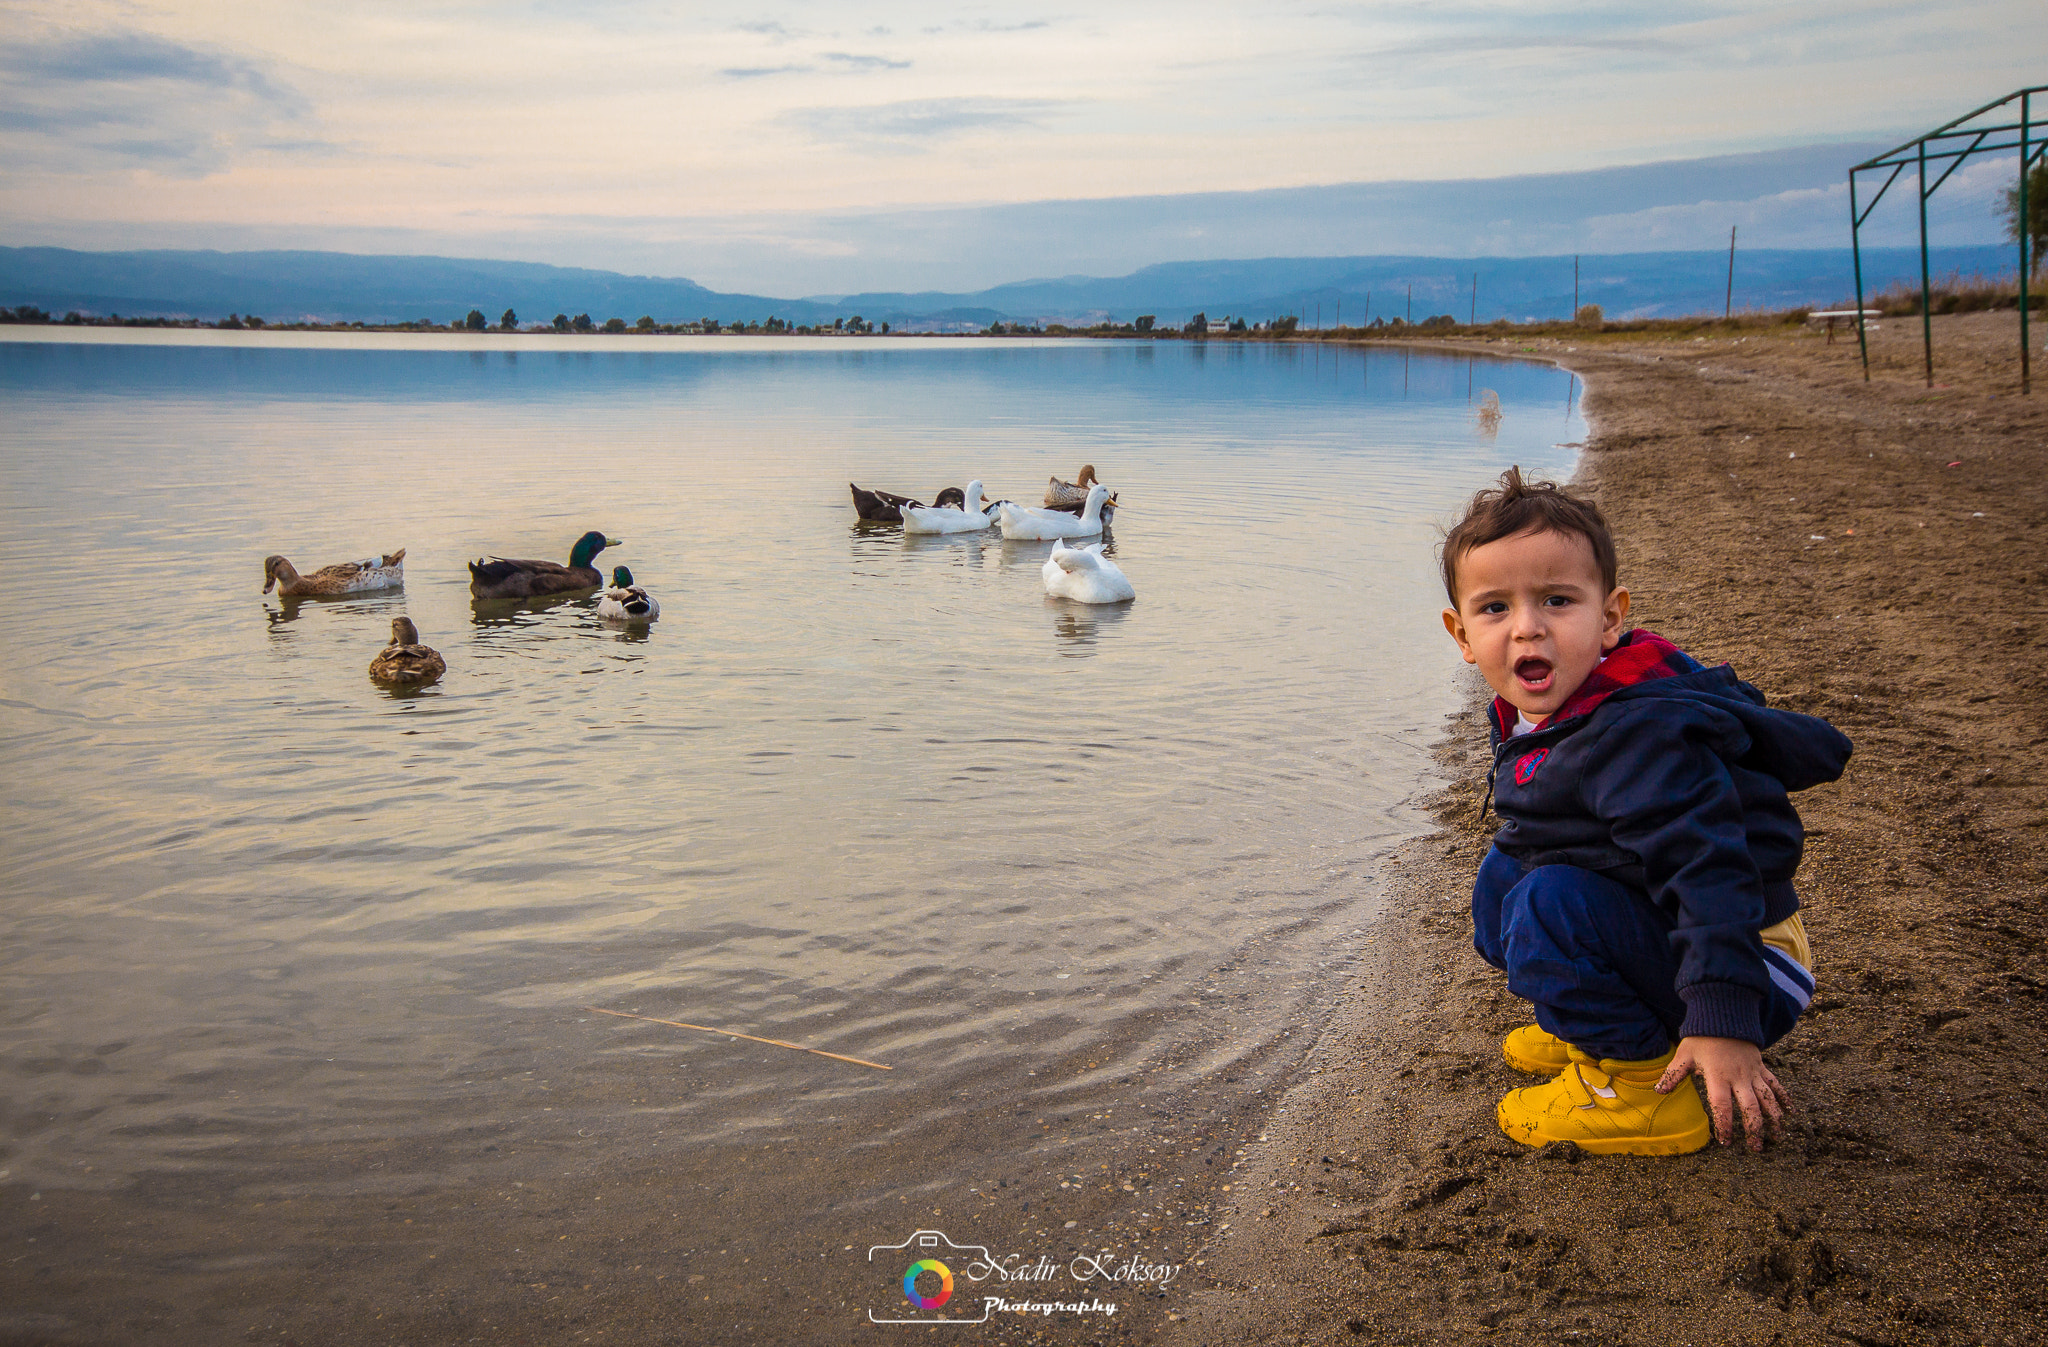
pixel 1861 552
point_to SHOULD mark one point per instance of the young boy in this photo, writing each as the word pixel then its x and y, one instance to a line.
pixel 1639 893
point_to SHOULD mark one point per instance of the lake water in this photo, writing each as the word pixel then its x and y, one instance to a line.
pixel 281 951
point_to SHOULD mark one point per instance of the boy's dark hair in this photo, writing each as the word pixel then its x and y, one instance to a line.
pixel 1516 506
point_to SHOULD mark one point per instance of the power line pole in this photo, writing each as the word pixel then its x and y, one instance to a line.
pixel 1473 320
pixel 1575 286
pixel 1728 305
pixel 1411 303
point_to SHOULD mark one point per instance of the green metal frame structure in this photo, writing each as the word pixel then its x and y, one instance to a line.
pixel 1954 142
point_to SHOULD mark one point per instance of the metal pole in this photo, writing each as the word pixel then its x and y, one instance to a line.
pixel 1728 304
pixel 1575 287
pixel 2026 371
pixel 1926 286
pixel 1411 303
pixel 1473 321
pixel 1856 252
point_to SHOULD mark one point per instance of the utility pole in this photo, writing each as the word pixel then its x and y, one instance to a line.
pixel 1473 321
pixel 1575 287
pixel 1411 303
pixel 1728 305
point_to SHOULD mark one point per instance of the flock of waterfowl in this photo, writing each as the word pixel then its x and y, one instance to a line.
pixel 1077 509
pixel 1081 508
pixel 407 663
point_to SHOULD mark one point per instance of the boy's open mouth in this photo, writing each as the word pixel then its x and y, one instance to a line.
pixel 1533 673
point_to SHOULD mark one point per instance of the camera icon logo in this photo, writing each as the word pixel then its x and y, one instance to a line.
pixel 927 1282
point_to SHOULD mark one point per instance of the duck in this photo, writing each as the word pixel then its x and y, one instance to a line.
pixel 1084 575
pixel 344 577
pixel 506 578
pixel 970 516
pixel 626 601
pixel 1071 497
pixel 1022 523
pixel 886 507
pixel 405 660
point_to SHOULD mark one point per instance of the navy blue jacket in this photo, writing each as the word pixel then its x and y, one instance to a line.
pixel 1673 779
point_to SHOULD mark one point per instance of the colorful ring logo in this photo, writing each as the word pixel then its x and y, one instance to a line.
pixel 945 1284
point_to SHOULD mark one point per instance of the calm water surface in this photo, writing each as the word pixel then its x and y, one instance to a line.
pixel 875 794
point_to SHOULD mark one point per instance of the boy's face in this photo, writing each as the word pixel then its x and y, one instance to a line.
pixel 1533 615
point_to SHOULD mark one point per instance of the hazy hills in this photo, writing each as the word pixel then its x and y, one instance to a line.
pixel 348 287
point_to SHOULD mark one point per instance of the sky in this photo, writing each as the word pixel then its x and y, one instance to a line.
pixel 794 148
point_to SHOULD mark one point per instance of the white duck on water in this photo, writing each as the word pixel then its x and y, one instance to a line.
pixel 971 518
pixel 1022 523
pixel 1084 575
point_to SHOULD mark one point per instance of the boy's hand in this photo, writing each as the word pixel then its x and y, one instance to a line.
pixel 1730 1066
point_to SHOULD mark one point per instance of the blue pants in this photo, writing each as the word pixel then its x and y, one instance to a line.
pixel 1593 956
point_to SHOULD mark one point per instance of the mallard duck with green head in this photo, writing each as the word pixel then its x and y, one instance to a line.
pixel 510 578
pixel 405 661
pixel 344 577
pixel 626 601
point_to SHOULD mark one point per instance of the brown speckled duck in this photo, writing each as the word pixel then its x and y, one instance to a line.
pixel 346 577
pixel 506 578
pixel 1072 497
pixel 405 660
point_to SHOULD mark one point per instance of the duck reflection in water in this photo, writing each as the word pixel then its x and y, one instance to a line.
pixel 290 608
pixel 1080 626
pixel 515 613
pixel 1032 553
pixel 967 548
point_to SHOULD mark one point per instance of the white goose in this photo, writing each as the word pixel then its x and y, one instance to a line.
pixel 1084 575
pixel 1022 523
pixel 972 518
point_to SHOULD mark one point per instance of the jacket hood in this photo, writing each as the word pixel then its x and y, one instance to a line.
pixel 1799 750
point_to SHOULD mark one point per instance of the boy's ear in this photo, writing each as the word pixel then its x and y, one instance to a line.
pixel 1455 625
pixel 1613 613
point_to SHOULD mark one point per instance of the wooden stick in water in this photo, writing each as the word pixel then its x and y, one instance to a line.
pixel 733 1033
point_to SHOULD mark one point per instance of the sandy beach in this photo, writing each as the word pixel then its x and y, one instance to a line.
pixel 1872 553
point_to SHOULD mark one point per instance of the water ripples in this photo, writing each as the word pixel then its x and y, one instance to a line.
pixel 873 793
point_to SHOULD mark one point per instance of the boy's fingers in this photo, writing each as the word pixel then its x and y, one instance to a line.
pixel 1752 1117
pixel 1724 1116
pixel 1680 1068
pixel 1779 1092
pixel 1772 1097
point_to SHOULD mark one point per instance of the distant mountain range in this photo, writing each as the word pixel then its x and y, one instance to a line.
pixel 348 287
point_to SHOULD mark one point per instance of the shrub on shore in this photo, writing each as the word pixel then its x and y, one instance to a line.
pixel 1955 293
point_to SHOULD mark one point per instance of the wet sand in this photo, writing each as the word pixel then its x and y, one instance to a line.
pixel 1873 553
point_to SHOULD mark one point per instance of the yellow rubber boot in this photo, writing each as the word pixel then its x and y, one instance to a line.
pixel 1610 1108
pixel 1535 1050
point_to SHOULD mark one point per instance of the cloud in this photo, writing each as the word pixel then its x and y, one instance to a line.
pixel 919 119
pixel 130 98
pixel 859 62
pixel 133 57
pixel 754 72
